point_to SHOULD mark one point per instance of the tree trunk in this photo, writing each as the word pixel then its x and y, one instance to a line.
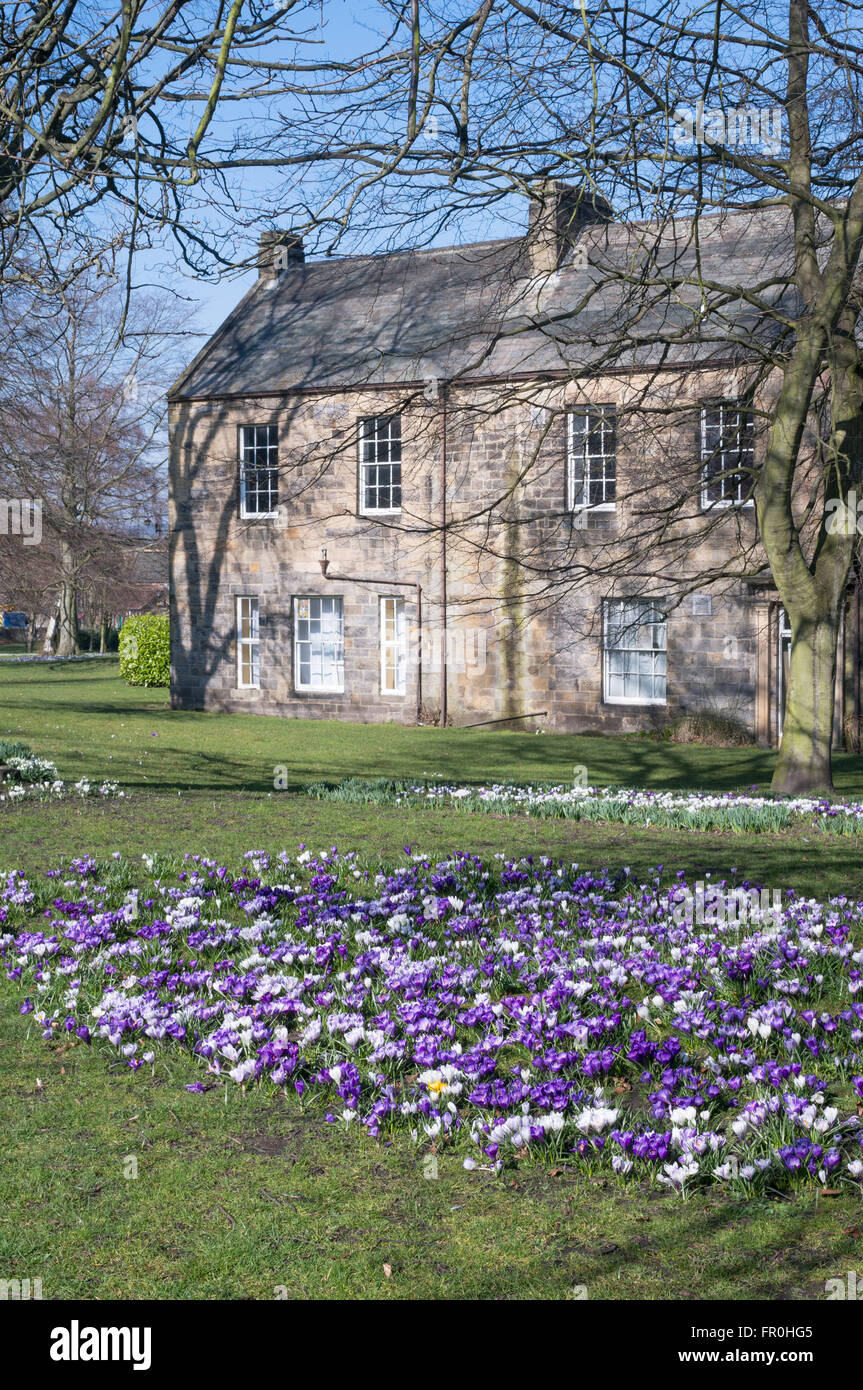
pixel 103 633
pixel 50 638
pixel 803 766
pixel 67 637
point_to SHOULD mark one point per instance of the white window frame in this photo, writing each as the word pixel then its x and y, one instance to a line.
pixel 337 610
pixel 784 642
pixel 741 409
pixel 577 458
pixel 654 651
pixel 252 643
pixel 365 436
pixel 393 649
pixel 272 453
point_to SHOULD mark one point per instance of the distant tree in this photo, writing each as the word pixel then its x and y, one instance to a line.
pixel 81 422
pixel 28 581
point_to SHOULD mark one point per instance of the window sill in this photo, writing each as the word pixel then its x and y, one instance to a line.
pixel 631 700
pixel 707 506
pixel 259 516
pixel 380 511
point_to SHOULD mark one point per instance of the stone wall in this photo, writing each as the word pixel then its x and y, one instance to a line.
pixel 520 642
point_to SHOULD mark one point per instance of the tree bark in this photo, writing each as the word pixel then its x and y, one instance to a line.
pixel 803 766
pixel 67 636
pixel 50 638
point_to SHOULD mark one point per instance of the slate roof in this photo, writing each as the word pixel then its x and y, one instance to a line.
pixel 146 561
pixel 476 311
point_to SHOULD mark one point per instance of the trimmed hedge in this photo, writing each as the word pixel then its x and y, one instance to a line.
pixel 145 650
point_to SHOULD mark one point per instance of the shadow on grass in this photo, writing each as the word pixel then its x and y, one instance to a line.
pixel 713 1245
pixel 212 751
pixel 226 824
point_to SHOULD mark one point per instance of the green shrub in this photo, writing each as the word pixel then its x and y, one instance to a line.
pixel 145 650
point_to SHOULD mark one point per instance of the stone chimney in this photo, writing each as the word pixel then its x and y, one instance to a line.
pixel 279 251
pixel 558 215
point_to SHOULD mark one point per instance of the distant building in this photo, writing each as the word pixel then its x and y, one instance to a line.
pixel 143 586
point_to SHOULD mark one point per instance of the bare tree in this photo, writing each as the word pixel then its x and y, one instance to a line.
pixel 111 584
pixel 28 580
pixel 209 120
pixel 81 421
pixel 200 119
pixel 793 327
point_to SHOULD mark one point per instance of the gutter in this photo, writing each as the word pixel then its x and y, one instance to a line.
pixel 578 372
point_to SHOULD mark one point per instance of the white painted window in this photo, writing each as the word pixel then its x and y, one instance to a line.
pixel 319 643
pixel 380 444
pixel 634 670
pixel 393 646
pixel 248 644
pixel 591 460
pixel 259 471
pixel 727 455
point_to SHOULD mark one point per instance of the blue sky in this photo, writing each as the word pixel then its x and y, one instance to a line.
pixel 346 28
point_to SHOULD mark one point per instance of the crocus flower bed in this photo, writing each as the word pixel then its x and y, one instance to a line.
pixel 743 812
pixel 507 1008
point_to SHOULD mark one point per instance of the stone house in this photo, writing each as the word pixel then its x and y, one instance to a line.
pixel 457 484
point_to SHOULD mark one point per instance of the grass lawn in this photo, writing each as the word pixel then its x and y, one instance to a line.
pixel 85 718
pixel 203 782
pixel 232 1200
pixel 236 1198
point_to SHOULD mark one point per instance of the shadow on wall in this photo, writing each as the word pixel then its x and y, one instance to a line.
pixel 328 325
pixel 205 487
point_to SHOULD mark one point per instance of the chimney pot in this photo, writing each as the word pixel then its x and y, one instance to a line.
pixel 559 213
pixel 278 251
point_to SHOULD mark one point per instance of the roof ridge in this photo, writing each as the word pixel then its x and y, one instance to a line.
pixel 412 251
pixel 616 224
